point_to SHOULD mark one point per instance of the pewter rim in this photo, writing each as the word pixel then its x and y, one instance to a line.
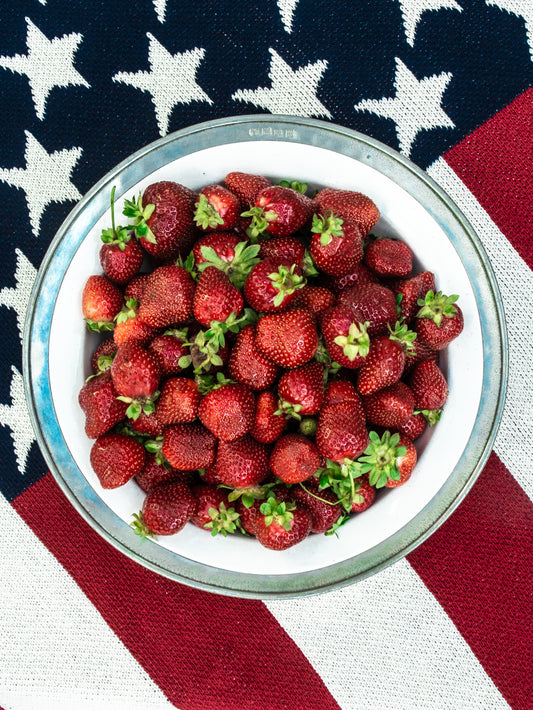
pixel 475 454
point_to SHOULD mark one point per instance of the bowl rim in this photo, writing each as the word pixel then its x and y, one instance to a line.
pixel 495 348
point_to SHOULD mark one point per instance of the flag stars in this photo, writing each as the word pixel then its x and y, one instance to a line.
pixel 17 297
pixel 520 8
pixel 16 417
pixel 412 11
pixel 415 107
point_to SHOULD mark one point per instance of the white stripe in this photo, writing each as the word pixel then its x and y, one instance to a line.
pixel 513 443
pixel 56 651
pixel 386 643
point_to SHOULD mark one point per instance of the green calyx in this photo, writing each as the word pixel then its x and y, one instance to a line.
pixel 432 416
pixel 259 221
pixel 206 215
pixel 437 306
pixel 128 310
pixel 139 405
pixel 114 234
pixel 277 512
pixel 328 226
pixel 251 494
pixel 134 210
pixel 380 457
pixel 294 185
pixel 342 478
pixel 401 334
pixel 223 521
pixel 101 326
pixel 356 343
pixel 289 410
pixel 206 383
pixel 286 282
pixel 139 526
pixel 237 270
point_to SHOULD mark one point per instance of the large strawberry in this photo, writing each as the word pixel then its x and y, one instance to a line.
pixel 430 389
pixel 294 458
pixel 116 458
pixel 189 446
pixel 178 401
pixel 272 283
pixel 391 406
pixel 222 244
pixel 136 374
pixel 135 287
pixel 268 423
pixel 358 276
pixel 217 209
pixel 336 245
pixel 372 303
pixel 289 338
pixel 290 248
pixel 281 525
pixel 278 211
pixel 301 390
pixel 385 361
pixel 128 325
pixel 322 506
pixel 388 460
pixel 345 337
pixel 242 463
pixel 228 411
pixel 349 204
pixel 315 299
pixel 389 257
pixel 213 511
pixel 248 365
pixel 439 320
pixel 169 348
pixel 102 409
pixel 215 297
pixel 166 510
pixel 246 186
pixel 155 472
pixel 341 431
pixel 168 297
pixel 101 300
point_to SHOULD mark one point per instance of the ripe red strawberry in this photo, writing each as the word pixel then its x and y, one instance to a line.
pixel 389 257
pixel 268 426
pixel 116 458
pixel 294 458
pixel 315 299
pixel 156 472
pixel 246 186
pixel 169 348
pixel 341 391
pixel 418 352
pixel 228 411
pixel 388 460
pixel 289 339
pixel 242 463
pixel 366 495
pixel 289 248
pixel 439 320
pixel 168 297
pixel 128 326
pixel 146 424
pixel 405 463
pixel 166 510
pixel 278 211
pixel 322 506
pixel 209 474
pixel 98 400
pixel 101 300
pixel 430 389
pixel 135 287
pixel 178 401
pixel 383 365
pixel 341 431
pixel 215 297
pixel 214 512
pixel 248 514
pixel 413 427
pixel 282 525
pixel 301 390
pixel 411 290
pixel 336 245
pixel 121 260
pixel 248 365
pixel 272 284
pixel 189 446
pixel 349 204
pixel 391 406
pixel 345 337
pixel 217 209
pixel 372 303
pixel 136 373
pixel 222 243
pixel 358 276
pixel 105 350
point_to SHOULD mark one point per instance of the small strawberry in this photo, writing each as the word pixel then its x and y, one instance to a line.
pixel 168 297
pixel 411 290
pixel 106 350
pixel 101 300
pixel 439 320
pixel 178 401
pixel 121 255
pixel 214 511
pixel 349 204
pixel 166 510
pixel 116 458
pixel 315 299
pixel 248 365
pixel 372 303
pixel 169 348
pixel 246 186
pixel 294 458
pixel 248 514
pixel 346 339
pixel 418 352
pixel 389 257
pixel 268 425
pixel 391 406
pixel 215 297
pixel 281 525
pixel 128 325
pixel 136 374
pixel 217 209
pixel 341 391
pixel 135 287
pixel 388 460
pixel 301 390
pixel 272 283
pixel 430 389
pixel 322 506
pixel 341 431
pixel 98 401
pixel 223 245
pixel 336 245
pixel 278 211
pixel 234 260
pixel 242 463
pixel 366 492
pixel 156 472
pixel 413 427
pixel 358 276
pixel 289 338
pixel 289 248
pixel 385 361
pixel 146 424
pixel 228 411
pixel 188 446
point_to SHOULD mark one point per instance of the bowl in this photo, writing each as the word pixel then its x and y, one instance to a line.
pixel 57 351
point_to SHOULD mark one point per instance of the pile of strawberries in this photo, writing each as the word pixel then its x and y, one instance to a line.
pixel 266 361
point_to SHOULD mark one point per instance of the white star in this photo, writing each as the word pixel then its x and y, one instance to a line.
pixel 413 9
pixel 292 92
pixel 49 63
pixel 171 80
pixel 17 297
pixel 520 8
pixel 16 417
pixel 416 106
pixel 160 9
pixel 286 9
pixel 45 179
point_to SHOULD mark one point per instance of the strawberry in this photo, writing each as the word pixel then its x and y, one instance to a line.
pixel 223 245
pixel 242 463
pixel 366 492
pixel 278 211
pixel 322 506
pixel 248 514
pixel 388 460
pixel 135 287
pixel 146 424
pixel 349 204
pixel 169 348
pixel 411 290
pixel 418 352
pixel 281 525
pixel 268 423
pixel 156 472
pixel 272 283
pixel 341 431
pixel 301 390
pixel 168 297
pixel 98 400
pixel 136 374
pixel 209 474
pixel 289 339
pixel 235 260
pixel 430 389
pixel 294 458
pixel 391 406
pixel 228 411
pixel 128 325
pixel 215 297
pixel 336 245
pixel 101 300
pixel 116 458
pixel 188 446
pixel 341 391
pixel 178 401
pixel 289 248
pixel 385 361
pixel 372 303
pixel 121 255
pixel 106 350
pixel 439 320
pixel 246 186
pixel 389 257
pixel 248 365
pixel 315 299
pixel 214 511
pixel 358 276
pixel 345 337
pixel 166 510
pixel 413 427
pixel 217 209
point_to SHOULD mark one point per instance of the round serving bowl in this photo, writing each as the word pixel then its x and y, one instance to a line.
pixel 57 349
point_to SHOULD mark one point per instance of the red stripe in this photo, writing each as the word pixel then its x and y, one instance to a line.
pixel 479 567
pixel 203 650
pixel 495 162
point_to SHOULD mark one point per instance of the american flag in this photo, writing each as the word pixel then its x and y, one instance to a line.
pixel 447 83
